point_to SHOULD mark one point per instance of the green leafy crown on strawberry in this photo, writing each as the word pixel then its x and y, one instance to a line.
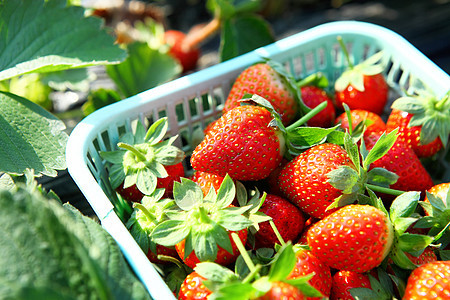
pixel 429 112
pixel 203 222
pixel 354 75
pixel 141 157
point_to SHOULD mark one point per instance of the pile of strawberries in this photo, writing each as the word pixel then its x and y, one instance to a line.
pixel 297 193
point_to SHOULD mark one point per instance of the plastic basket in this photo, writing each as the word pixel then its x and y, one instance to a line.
pixel 192 101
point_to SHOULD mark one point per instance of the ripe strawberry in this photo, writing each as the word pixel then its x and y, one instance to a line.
pixel 343 281
pixel 193 288
pixel 187 56
pixel 401 160
pixel 304 180
pixel 240 144
pixel 263 79
pixel 426 256
pixel 282 291
pixel 288 219
pixel 373 121
pixel 362 86
pixel 144 162
pixel 355 238
pixel 306 264
pixel 423 122
pixel 206 181
pixel 200 230
pixel 440 191
pixel 429 281
pixel 313 96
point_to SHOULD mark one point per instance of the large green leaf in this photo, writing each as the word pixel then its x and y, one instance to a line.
pixel 30 137
pixel 243 34
pixel 43 36
pixel 49 250
pixel 144 68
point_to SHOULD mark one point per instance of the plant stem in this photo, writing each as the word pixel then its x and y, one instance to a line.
pixel 196 36
pixel 277 233
pixel 146 212
pixel 384 190
pixel 248 261
pixel 252 274
pixel 306 117
pixel 170 259
pixel 135 151
pixel 441 103
pixel 344 50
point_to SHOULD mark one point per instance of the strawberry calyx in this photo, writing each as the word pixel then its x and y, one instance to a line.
pixel 428 112
pixel 146 216
pixel 140 158
pixel 202 221
pixel 354 75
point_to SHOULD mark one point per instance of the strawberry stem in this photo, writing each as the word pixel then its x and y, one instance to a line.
pixel 148 214
pixel 277 233
pixel 441 103
pixel 384 190
pixel 135 151
pixel 170 259
pixel 252 274
pixel 248 261
pixel 196 36
pixel 344 50
pixel 307 117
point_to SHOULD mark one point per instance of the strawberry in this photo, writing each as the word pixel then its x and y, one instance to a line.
pixel 344 281
pixel 178 49
pixel 200 230
pixel 240 144
pixel 306 264
pixel 304 179
pixel 288 219
pixel 281 290
pixel 193 288
pixel 373 121
pixel 145 217
pixel 423 122
pixel 206 181
pixel 362 86
pixel 313 96
pixel 144 162
pixel 426 256
pixel 267 81
pixel 355 238
pixel 429 281
pixel 401 160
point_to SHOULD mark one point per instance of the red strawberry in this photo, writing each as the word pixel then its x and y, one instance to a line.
pixel 145 162
pixel 423 122
pixel 304 179
pixel 193 288
pixel 288 219
pixel 224 257
pixel 355 238
pixel 440 191
pixel 426 256
pixel 313 96
pixel 343 281
pixel 240 144
pixel 373 121
pixel 362 86
pixel 306 264
pixel 206 181
pixel 402 160
pixel 263 80
pixel 186 55
pixel 201 228
pixel 282 291
pixel 161 250
pixel 429 281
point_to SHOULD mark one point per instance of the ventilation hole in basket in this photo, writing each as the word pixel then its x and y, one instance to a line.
pixel 121 130
pixel 179 111
pixel 297 67
pixel 193 111
pixel 206 104
pixel 91 165
pixel 218 97
pixel 321 59
pixel 187 166
pixel 105 144
pixel 162 113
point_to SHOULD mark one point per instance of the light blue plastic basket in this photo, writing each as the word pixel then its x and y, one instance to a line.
pixel 193 101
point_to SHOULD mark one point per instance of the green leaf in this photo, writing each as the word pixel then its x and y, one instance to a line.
pixel 344 178
pixel 170 232
pixel 230 220
pixel 187 193
pixel 309 136
pixel 414 242
pixel 30 137
pixel 156 131
pixel 381 147
pixel 283 263
pixel 226 192
pixel 98 99
pixel 436 202
pixel 235 291
pixel 352 150
pixel 381 177
pixel 214 272
pixel 146 181
pixel 302 284
pixel 243 34
pixel 43 36
pixel 144 68
pixel 204 244
pixel 71 79
pixel 404 205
